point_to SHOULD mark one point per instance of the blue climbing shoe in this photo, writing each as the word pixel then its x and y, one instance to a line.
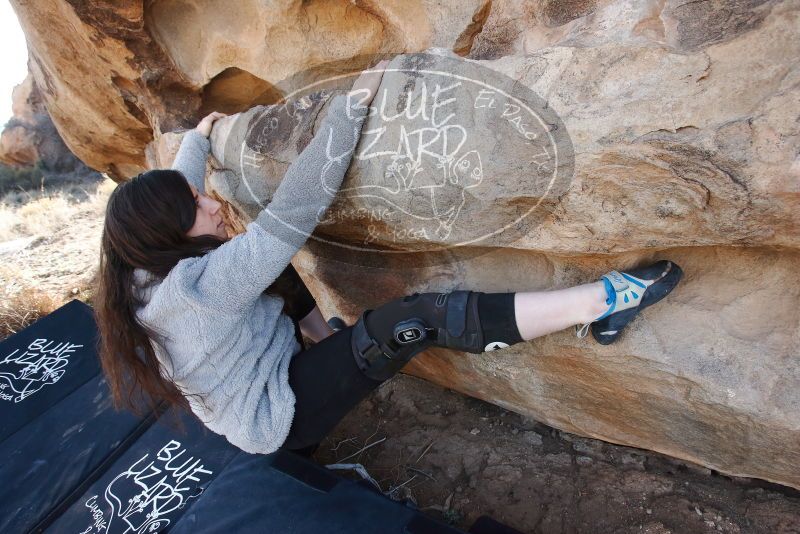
pixel 629 293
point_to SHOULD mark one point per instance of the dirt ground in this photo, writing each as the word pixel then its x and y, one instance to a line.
pixel 458 458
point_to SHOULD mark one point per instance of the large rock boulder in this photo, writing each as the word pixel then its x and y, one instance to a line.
pixel 115 76
pixel 682 123
pixel 30 137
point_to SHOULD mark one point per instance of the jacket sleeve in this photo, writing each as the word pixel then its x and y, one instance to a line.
pixel 191 158
pixel 232 276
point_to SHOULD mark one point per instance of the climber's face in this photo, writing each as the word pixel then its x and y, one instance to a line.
pixel 209 218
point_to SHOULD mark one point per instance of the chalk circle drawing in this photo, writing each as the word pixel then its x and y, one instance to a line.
pixel 141 498
pixel 43 362
pixel 454 153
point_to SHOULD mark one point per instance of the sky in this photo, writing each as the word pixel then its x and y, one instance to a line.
pixel 13 59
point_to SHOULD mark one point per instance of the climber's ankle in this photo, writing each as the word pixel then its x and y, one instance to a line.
pixel 597 302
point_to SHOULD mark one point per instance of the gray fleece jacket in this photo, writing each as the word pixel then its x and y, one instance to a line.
pixel 226 339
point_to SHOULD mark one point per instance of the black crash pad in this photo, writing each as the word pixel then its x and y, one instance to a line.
pixel 44 363
pixel 153 482
pixel 47 460
pixel 74 464
pixel 283 492
pixel 57 425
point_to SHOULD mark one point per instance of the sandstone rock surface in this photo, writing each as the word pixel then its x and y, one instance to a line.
pixel 145 68
pixel 683 121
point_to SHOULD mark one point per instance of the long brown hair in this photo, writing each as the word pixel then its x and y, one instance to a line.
pixel 146 223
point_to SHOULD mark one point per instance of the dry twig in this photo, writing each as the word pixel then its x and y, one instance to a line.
pixel 363 449
pixel 342 442
pixel 420 472
pixel 425 451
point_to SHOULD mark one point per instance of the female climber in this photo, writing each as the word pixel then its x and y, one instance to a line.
pixel 212 323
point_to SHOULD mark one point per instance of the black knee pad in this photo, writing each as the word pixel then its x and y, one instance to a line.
pixel 385 338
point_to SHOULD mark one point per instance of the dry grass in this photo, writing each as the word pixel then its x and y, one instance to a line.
pixel 45 211
pixel 20 309
pixel 49 249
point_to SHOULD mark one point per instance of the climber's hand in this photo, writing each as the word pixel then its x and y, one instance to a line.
pixel 205 125
pixel 366 85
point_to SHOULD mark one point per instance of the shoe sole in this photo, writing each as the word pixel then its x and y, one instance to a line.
pixel 652 294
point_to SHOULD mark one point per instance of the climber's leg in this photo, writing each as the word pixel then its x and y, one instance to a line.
pixel 328 381
pixel 386 338
pixel 543 312
pixel 327 384
pixel 606 306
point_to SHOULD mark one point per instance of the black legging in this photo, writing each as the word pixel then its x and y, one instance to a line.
pixel 327 384
pixel 326 380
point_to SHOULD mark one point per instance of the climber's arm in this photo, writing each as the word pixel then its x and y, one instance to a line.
pixel 193 152
pixel 233 275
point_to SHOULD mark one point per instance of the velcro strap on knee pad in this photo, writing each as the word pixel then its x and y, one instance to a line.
pixel 456 318
pixel 373 360
pixel 363 345
pixel 462 324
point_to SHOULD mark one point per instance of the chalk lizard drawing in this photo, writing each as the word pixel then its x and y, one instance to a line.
pixel 413 170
